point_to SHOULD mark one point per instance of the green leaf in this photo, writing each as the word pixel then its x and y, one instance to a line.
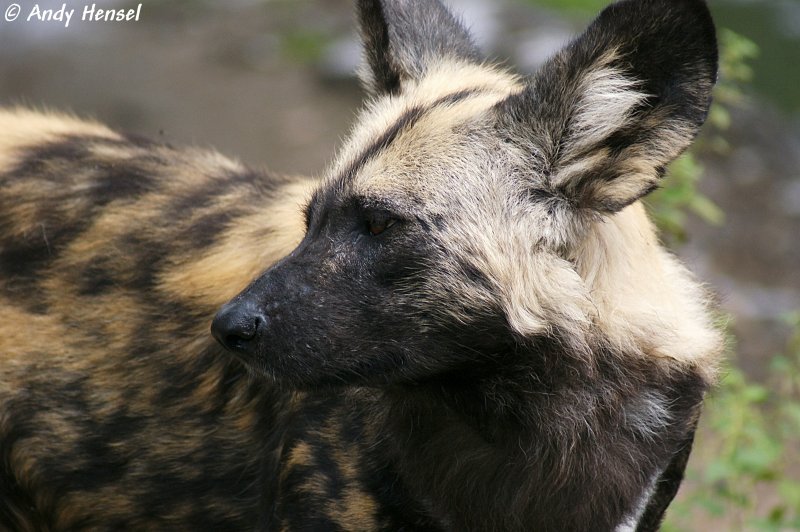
pixel 707 210
pixel 789 490
pixel 755 393
pixel 719 117
pixel 791 411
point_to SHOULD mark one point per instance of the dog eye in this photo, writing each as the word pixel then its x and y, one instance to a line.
pixel 378 224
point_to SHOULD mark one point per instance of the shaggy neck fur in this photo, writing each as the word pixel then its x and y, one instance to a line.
pixel 647 303
pixel 528 442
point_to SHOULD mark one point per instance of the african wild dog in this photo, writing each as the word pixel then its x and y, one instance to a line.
pixel 473 325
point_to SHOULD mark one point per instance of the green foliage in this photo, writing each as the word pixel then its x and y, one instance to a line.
pixel 746 470
pixel 745 474
pixel 304 46
pixel 679 194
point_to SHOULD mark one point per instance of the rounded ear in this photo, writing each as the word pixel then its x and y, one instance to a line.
pixel 606 115
pixel 402 37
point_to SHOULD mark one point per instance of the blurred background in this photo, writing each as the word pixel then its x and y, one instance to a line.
pixel 271 82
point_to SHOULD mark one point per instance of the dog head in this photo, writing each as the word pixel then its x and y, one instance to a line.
pixel 465 214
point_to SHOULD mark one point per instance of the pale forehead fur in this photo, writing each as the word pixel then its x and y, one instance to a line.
pixel 490 84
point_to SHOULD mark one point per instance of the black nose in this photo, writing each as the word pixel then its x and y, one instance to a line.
pixel 237 325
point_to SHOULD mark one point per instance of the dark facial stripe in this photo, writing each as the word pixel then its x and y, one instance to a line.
pixel 405 122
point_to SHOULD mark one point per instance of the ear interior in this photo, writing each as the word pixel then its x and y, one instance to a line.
pixel 604 117
pixel 403 37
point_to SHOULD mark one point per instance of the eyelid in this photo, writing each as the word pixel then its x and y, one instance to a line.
pixel 381 207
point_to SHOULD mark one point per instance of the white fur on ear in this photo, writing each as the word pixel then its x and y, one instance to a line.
pixel 610 111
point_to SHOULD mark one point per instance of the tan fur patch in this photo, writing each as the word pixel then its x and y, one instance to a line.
pixel 21 127
pixel 244 251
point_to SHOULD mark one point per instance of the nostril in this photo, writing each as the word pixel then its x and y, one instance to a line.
pixel 245 333
pixel 237 325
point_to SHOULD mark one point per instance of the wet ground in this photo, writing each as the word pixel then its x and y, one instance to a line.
pixel 270 82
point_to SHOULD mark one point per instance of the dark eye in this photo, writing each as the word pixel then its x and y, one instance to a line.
pixel 377 224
